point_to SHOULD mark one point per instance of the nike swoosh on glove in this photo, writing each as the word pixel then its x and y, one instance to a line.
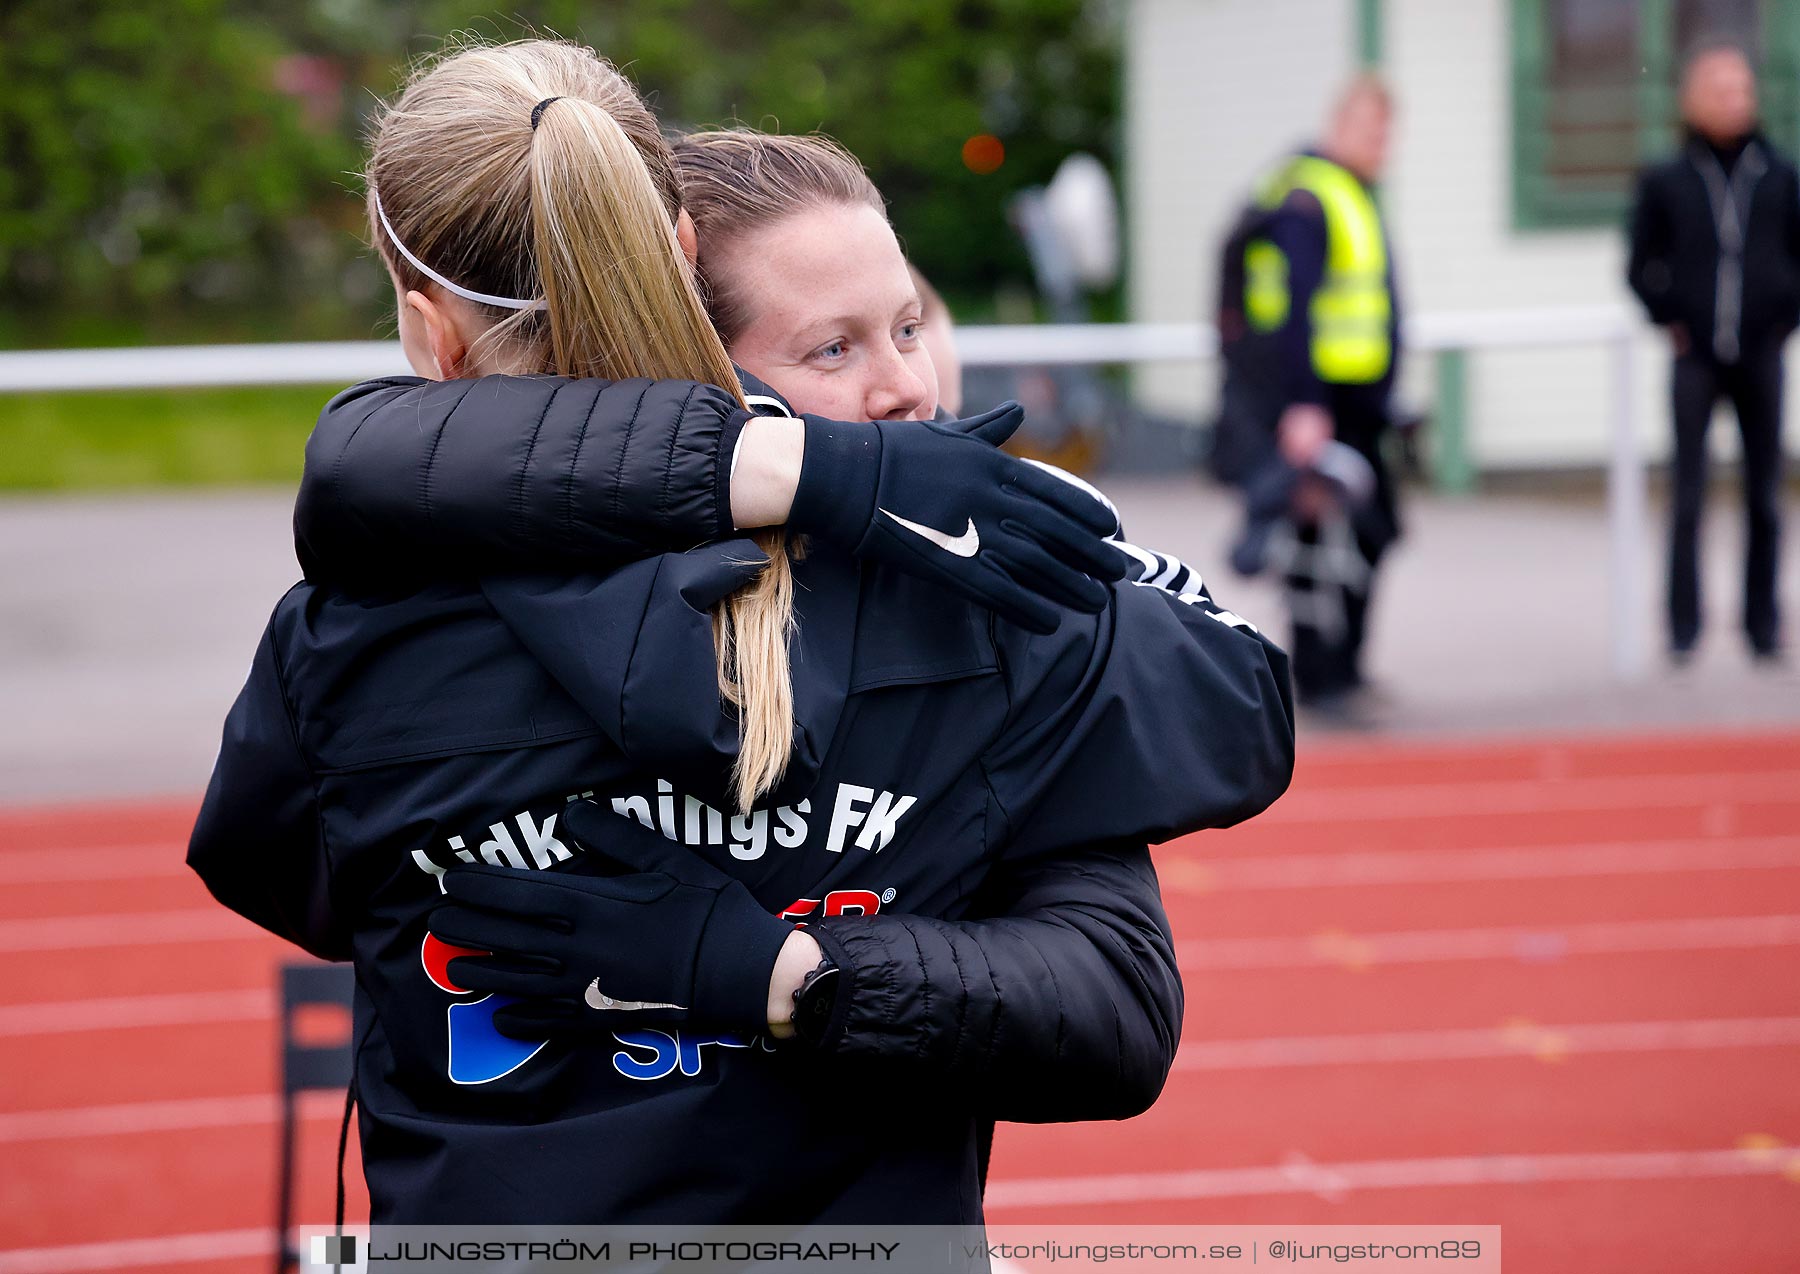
pixel 944 503
pixel 672 939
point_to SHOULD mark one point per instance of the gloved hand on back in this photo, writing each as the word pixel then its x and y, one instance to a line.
pixel 672 939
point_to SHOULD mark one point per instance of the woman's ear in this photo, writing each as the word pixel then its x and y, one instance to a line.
pixel 687 237
pixel 442 338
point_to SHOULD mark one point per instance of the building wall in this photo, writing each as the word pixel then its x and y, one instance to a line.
pixel 1214 91
pixel 1449 202
pixel 1228 85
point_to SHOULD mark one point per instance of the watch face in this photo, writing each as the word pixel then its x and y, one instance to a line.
pixel 812 1007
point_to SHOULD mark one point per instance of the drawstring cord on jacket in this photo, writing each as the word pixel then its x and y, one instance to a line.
pixel 344 1146
pixel 343 1149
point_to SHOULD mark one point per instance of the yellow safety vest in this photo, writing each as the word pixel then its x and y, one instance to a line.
pixel 1352 307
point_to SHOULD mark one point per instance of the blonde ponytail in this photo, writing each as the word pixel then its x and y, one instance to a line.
pixel 580 210
pixel 750 633
pixel 618 291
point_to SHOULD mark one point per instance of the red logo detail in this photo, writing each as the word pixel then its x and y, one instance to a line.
pixel 436 955
pixel 839 902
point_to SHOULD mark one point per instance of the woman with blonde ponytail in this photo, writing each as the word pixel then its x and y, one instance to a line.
pixel 610 319
pixel 594 193
pixel 654 877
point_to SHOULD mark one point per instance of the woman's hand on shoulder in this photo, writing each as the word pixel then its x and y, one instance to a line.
pixel 944 503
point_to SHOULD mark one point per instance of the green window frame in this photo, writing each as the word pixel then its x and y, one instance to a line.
pixel 1630 121
pixel 1369 33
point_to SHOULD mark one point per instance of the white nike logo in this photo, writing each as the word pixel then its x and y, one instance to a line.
pixel 598 999
pixel 965 545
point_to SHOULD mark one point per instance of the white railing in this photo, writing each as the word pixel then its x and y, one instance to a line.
pixel 200 366
pixel 346 362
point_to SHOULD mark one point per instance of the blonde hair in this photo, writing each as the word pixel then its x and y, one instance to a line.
pixel 580 210
pixel 736 180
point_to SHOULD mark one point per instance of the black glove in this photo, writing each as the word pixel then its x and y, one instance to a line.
pixel 943 502
pixel 675 938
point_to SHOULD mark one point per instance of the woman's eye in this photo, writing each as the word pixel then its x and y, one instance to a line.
pixel 832 352
pixel 910 331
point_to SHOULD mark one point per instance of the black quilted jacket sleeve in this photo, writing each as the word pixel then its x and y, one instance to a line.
pixel 1062 1001
pixel 410 477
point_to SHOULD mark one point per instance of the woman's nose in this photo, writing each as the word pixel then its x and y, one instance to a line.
pixel 897 392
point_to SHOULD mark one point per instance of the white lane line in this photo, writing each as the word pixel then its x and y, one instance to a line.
pixel 19 843
pixel 1419 800
pixel 1197 872
pixel 106 862
pixel 1545 1041
pixel 160 1116
pixel 1299 1176
pixel 136 1117
pixel 125 929
pixel 1332 948
pixel 1306 803
pixel 1554 764
pixel 1530 945
pixel 1533 796
pixel 132 1254
pixel 1269 871
pixel 186 1008
pixel 1296 1176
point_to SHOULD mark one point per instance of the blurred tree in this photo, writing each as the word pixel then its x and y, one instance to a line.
pixel 187 162
pixel 153 168
pixel 904 86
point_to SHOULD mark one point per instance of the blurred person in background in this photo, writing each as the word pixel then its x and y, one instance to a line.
pixel 1715 259
pixel 1310 333
pixel 939 338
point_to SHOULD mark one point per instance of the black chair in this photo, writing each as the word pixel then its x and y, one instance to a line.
pixel 305 1067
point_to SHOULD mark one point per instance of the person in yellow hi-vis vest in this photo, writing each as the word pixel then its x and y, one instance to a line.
pixel 1309 329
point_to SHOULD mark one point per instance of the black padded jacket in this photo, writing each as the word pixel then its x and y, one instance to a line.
pixel 962 826
pixel 1053 995
pixel 403 473
pixel 407 477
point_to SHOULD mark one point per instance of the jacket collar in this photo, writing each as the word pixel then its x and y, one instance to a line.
pixel 1698 146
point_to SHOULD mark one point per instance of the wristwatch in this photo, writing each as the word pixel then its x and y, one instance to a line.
pixel 815 1000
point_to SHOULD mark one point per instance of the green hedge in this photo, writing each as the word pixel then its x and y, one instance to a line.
pixel 101 441
pixel 185 170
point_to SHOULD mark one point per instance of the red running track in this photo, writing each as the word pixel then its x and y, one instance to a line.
pixel 1549 985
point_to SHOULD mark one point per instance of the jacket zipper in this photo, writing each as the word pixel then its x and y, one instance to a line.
pixel 1730 201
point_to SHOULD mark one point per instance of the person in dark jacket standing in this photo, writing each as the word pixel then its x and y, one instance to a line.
pixel 1310 332
pixel 1715 259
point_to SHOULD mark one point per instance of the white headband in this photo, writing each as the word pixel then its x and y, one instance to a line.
pixel 504 302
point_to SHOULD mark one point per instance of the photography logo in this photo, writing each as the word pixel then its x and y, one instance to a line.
pixel 333 1249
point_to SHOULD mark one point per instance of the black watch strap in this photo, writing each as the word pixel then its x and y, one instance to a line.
pixel 815 1000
